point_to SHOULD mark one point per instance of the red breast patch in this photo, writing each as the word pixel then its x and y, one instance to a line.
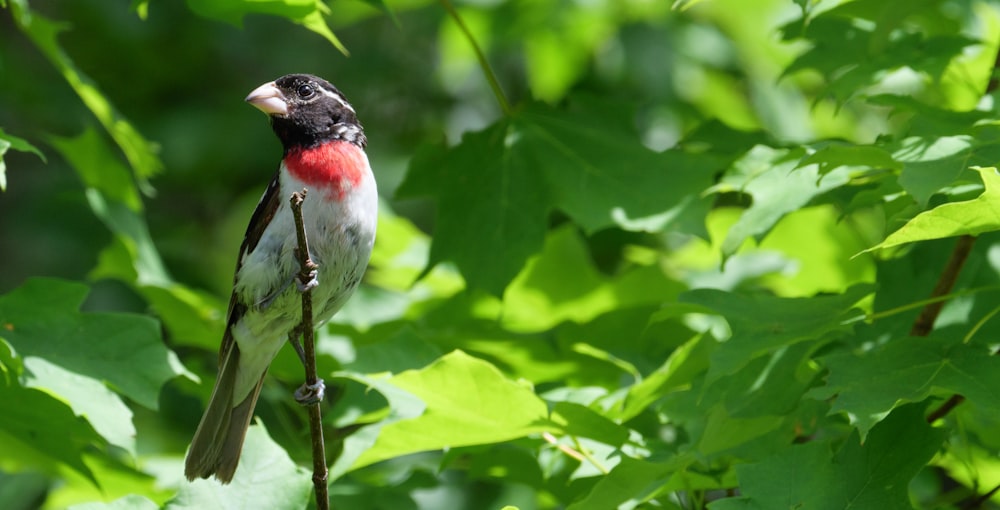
pixel 333 167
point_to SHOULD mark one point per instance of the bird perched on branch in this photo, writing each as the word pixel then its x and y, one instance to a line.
pixel 324 152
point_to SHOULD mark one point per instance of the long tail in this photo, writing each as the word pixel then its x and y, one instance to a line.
pixel 218 441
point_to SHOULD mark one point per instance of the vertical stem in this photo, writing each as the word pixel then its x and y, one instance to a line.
pixel 307 266
pixel 925 321
pixel 491 77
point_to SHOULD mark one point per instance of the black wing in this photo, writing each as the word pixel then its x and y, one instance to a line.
pixel 261 218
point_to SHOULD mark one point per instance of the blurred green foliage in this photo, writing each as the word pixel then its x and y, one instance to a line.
pixel 632 254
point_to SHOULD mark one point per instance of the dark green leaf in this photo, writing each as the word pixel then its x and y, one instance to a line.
pixel 494 190
pixel 808 476
pixel 124 350
pixel 761 323
pixel 866 387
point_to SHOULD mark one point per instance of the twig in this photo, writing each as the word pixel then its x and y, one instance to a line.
pixel 305 276
pixel 925 321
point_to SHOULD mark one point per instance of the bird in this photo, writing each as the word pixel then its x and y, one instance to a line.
pixel 324 151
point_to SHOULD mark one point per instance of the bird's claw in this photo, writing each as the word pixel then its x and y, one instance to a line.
pixel 309 394
pixel 309 285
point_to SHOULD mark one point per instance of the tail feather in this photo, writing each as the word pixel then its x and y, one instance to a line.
pixel 218 441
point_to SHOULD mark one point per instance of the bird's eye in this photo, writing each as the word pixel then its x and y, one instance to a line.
pixel 306 91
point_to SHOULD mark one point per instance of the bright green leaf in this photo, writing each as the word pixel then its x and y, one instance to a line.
pixel 488 409
pixel 562 283
pixel 777 186
pixel 971 217
pixel 308 13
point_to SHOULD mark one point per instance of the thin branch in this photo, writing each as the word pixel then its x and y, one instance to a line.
pixel 925 321
pixel 491 77
pixel 306 276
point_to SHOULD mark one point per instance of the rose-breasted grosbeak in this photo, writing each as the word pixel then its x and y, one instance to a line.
pixel 324 151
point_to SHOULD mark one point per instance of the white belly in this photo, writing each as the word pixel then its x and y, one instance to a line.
pixel 340 234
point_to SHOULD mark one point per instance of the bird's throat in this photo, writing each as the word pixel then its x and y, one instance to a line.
pixel 334 167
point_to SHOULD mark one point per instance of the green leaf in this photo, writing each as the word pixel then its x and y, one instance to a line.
pixel 266 478
pixel 562 284
pixel 971 217
pixel 308 13
pixel 7 142
pixel 867 387
pixel 468 402
pixel 931 164
pixel 87 396
pixel 837 155
pixel 122 350
pixel 40 432
pixel 778 187
pixel 99 167
pixel 808 476
pixel 496 188
pixel 675 374
pixel 491 209
pixel 578 420
pixel 761 323
pixel 140 153
pixel 631 479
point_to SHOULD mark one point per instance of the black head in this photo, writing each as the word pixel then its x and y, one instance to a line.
pixel 306 111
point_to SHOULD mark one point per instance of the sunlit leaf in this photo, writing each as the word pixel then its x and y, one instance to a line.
pixel 971 217
pixel 490 409
pixel 308 13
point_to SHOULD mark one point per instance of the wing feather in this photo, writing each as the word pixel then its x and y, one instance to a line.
pixel 261 218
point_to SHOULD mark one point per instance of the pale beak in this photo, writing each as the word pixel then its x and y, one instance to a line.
pixel 268 99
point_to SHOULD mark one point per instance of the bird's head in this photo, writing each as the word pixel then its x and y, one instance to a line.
pixel 306 111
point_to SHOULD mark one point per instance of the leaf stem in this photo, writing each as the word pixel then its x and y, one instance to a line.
pixel 982 322
pixel 925 302
pixel 587 455
pixel 491 77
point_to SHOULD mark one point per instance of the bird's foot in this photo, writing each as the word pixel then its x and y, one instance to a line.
pixel 309 394
pixel 311 284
